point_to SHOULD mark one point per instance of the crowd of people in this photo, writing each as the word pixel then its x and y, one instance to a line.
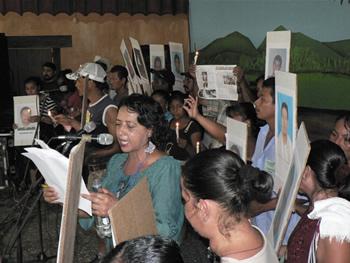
pixel 227 201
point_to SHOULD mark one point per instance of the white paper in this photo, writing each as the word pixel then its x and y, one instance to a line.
pixel 54 168
pixel 277 52
pixel 237 137
pixel 140 62
pixel 24 108
pixel 216 82
pixel 287 196
pixel 285 124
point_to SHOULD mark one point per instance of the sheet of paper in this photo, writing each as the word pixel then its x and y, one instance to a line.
pixel 216 82
pixel 237 137
pixel 54 168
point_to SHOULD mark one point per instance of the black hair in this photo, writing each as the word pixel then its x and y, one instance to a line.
pixel 270 84
pixel 177 95
pixel 33 79
pixel 146 249
pixel 176 57
pixel 49 65
pixel 221 175
pixel 284 106
pixel 157 59
pixel 325 159
pixel 121 71
pixel 247 111
pixel 277 58
pixel 161 93
pixel 150 115
pixel 103 86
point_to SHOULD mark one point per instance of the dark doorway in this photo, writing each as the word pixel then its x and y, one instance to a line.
pixel 28 53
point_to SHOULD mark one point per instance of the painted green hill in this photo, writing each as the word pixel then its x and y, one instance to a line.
pixel 227 50
pixel 342 47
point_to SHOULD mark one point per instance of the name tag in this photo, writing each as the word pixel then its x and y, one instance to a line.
pixel 269 167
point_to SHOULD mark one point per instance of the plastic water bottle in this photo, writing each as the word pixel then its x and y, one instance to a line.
pixel 103 224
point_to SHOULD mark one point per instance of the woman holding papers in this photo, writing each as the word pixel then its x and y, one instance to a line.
pixel 217 188
pixel 141 130
pixel 323 232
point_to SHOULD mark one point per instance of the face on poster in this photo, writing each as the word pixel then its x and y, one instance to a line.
pixel 285 116
pixel 156 63
pixel 25 114
pixel 177 60
pixel 277 60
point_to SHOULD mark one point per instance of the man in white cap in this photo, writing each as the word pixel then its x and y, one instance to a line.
pixel 101 110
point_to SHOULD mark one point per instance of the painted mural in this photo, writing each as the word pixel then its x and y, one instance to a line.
pixel 323 68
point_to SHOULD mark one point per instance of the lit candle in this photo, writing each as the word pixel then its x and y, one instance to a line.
pixel 177 131
pixel 198 147
pixel 195 58
pixel 49 113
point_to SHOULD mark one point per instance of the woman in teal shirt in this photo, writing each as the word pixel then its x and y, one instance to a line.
pixel 141 132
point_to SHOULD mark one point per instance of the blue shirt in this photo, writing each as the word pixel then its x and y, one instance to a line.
pixel 164 185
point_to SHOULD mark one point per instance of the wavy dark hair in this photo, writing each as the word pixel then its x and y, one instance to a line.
pixel 121 71
pixel 146 249
pixel 150 115
pixel 221 175
pixel 327 159
pixel 247 111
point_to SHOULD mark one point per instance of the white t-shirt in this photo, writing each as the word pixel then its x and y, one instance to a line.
pixel 265 255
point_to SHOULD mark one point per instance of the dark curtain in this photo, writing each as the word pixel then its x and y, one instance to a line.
pixel 85 7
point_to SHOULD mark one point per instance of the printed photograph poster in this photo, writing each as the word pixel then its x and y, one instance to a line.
pixel 237 137
pixel 277 52
pixel 134 86
pixel 216 82
pixel 285 123
pixel 24 108
pixel 157 62
pixel 139 61
pixel 177 64
pixel 141 67
pixel 289 191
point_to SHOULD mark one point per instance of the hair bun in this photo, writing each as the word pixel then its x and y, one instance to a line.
pixel 260 183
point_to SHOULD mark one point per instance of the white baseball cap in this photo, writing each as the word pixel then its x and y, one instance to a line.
pixel 93 70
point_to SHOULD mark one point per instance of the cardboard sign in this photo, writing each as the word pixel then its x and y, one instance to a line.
pixel 133 215
pixel 237 137
pixel 277 52
pixel 24 108
pixel 69 220
pixel 285 204
pixel 285 124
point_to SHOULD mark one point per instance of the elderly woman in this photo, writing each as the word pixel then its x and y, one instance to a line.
pixel 140 130
pixel 217 188
pixel 323 232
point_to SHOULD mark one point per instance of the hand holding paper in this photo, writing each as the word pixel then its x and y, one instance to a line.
pixel 54 168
